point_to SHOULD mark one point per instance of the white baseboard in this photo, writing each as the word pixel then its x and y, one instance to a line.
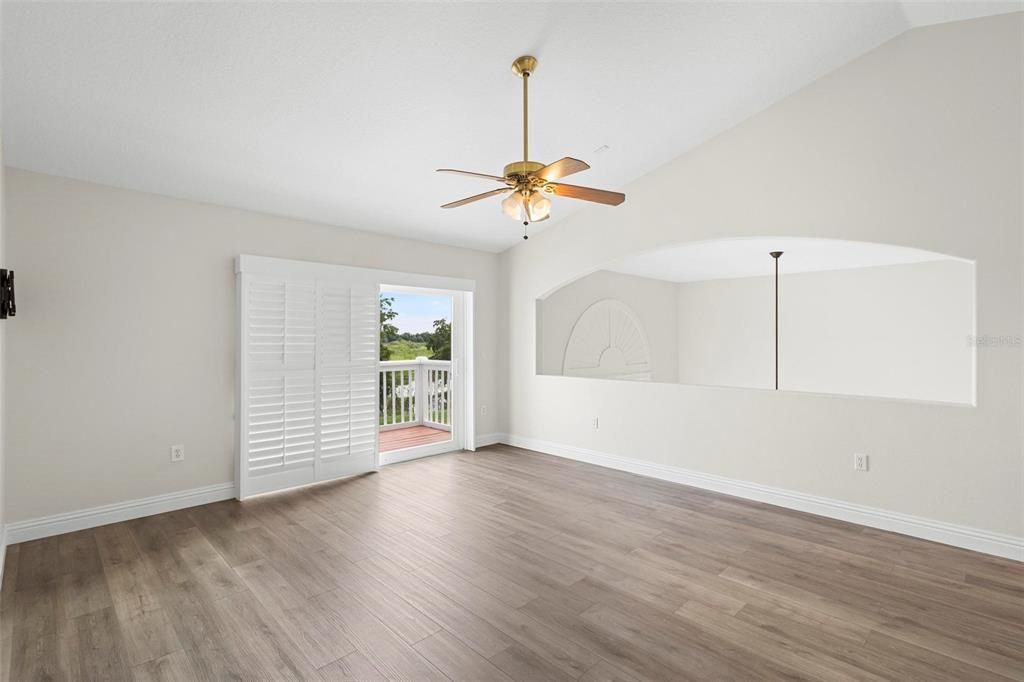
pixel 418 452
pixel 975 539
pixel 486 439
pixel 3 551
pixel 33 529
pixel 997 544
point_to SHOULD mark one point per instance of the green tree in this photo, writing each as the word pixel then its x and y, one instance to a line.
pixel 388 331
pixel 440 342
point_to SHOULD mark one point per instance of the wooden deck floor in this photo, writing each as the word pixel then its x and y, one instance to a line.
pixel 397 439
pixel 501 565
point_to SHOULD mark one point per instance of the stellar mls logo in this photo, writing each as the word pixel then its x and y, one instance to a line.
pixel 994 341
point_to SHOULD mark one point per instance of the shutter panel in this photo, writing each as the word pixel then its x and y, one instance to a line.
pixel 281 421
pixel 281 324
pixel 264 324
pixel 300 325
pixel 279 401
pixel 364 425
pixel 335 415
pixel 334 329
pixel 309 382
pixel 347 380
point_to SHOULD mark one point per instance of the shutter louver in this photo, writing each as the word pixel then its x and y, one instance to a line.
pixel 363 388
pixel 300 325
pixel 281 421
pixel 264 324
pixel 363 424
pixel 365 325
pixel 335 333
pixel 335 414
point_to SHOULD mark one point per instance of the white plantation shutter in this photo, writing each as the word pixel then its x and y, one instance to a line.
pixel 348 346
pixel 308 376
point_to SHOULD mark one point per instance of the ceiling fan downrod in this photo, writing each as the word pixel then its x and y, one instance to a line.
pixel 523 67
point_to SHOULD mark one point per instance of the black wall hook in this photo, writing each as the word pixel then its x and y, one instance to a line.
pixel 7 305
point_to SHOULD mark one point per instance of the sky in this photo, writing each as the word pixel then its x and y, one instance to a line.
pixel 417 312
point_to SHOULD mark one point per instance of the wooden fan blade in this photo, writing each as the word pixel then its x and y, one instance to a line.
pixel 600 196
pixel 477 197
pixel 475 175
pixel 561 168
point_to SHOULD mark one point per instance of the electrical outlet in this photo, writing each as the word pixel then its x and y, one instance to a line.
pixel 483 409
pixel 177 453
pixel 860 462
pixel 596 423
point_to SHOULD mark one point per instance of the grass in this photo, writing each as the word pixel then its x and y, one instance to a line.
pixel 407 350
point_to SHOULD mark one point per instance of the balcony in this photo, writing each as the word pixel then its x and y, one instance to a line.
pixel 415 396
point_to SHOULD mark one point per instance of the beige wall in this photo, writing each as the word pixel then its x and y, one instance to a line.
pixel 727 332
pixel 917 143
pixel 125 337
pixel 897 331
pixel 3 363
pixel 651 300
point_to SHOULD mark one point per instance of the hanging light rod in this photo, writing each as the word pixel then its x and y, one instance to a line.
pixel 776 255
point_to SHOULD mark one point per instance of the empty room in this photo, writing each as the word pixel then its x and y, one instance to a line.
pixel 473 341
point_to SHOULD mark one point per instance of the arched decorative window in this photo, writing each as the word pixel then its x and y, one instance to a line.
pixel 608 341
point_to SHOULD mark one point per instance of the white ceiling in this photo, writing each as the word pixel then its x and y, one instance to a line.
pixel 339 113
pixel 732 258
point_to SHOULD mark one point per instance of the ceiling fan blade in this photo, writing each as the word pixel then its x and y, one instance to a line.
pixel 600 196
pixel 475 175
pixel 562 168
pixel 477 197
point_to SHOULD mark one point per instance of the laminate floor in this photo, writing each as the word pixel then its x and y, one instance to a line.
pixel 505 564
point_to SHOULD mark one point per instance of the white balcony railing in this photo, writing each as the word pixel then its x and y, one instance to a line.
pixel 415 392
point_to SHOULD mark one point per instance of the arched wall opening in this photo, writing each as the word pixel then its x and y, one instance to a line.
pixel 853 318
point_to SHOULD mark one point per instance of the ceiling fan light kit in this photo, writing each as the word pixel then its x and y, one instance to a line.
pixel 529 183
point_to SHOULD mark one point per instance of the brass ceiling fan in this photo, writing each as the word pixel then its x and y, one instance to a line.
pixel 528 182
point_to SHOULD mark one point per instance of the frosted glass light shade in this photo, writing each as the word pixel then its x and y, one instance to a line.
pixel 538 206
pixel 528 209
pixel 513 207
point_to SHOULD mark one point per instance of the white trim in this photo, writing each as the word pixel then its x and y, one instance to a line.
pixel 467 353
pixel 264 265
pixel 33 529
pixel 461 368
pixel 485 439
pixel 997 544
pixel 407 454
pixel 3 551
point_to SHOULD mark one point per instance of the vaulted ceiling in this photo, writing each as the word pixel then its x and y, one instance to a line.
pixel 339 113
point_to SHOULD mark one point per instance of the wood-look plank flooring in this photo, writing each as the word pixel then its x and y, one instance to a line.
pixel 504 565
pixel 410 437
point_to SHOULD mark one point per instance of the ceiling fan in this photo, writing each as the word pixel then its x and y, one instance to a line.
pixel 528 183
